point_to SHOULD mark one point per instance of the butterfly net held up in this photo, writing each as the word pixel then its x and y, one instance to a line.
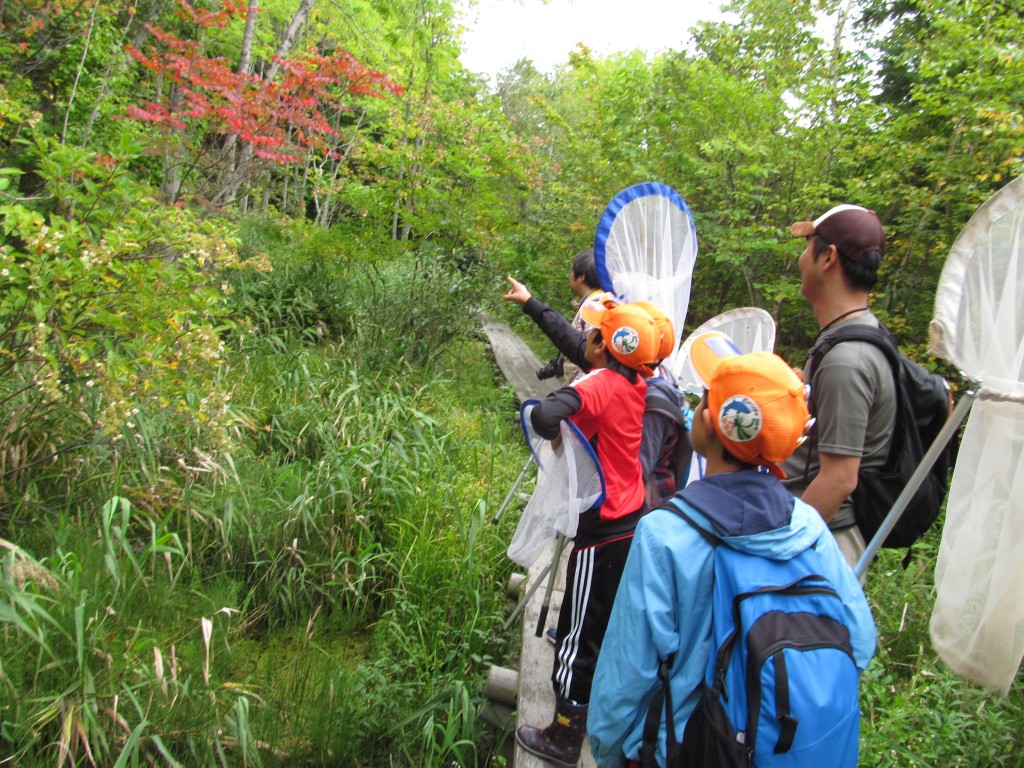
pixel 977 625
pixel 751 329
pixel 645 248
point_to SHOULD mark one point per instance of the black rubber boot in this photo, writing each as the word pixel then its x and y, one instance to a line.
pixel 559 743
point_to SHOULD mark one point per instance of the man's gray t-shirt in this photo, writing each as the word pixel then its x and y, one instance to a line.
pixel 855 411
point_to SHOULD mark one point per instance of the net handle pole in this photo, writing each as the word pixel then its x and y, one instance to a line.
pixel 537 581
pixel 542 617
pixel 931 455
pixel 512 490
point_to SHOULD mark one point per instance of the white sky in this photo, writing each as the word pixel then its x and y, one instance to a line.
pixel 499 32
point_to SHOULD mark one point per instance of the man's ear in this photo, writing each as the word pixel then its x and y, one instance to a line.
pixel 830 256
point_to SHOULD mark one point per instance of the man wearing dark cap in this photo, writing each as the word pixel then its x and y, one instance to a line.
pixel 854 400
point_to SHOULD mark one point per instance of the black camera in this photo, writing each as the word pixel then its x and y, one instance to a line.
pixel 554 367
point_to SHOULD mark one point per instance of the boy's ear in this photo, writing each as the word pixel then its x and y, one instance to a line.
pixel 709 425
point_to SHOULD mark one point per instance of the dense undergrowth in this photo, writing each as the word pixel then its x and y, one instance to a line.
pixel 914 710
pixel 265 538
pixel 317 581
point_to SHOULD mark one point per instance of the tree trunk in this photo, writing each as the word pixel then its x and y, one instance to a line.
pixel 242 157
pixel 117 66
pixel 230 151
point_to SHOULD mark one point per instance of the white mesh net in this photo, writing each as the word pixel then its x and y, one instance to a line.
pixel 569 481
pixel 646 245
pixel 751 329
pixel 977 625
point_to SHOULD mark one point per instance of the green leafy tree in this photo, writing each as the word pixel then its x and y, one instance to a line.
pixel 952 135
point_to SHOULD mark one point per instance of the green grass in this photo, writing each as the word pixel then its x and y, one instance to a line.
pixel 326 587
pixel 915 710
pixel 314 577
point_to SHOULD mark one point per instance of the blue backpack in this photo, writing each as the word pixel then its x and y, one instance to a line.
pixel 781 683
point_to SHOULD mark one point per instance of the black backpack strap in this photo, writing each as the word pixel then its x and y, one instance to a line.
pixel 873 334
pixel 877 335
pixel 662 698
pixel 880 337
pixel 787 723
pixel 692 490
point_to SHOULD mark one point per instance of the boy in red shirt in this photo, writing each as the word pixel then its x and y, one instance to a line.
pixel 607 405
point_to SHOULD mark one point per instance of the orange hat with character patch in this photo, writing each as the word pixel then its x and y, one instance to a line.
pixel 757 402
pixel 627 330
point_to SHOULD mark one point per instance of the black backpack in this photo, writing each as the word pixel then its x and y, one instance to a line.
pixel 923 404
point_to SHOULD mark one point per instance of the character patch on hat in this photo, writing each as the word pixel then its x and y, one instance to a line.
pixel 740 419
pixel 625 340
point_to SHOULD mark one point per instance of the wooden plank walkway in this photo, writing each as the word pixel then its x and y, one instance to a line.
pixel 517 362
pixel 536 699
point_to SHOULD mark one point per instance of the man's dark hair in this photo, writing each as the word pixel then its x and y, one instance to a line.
pixel 583 265
pixel 860 274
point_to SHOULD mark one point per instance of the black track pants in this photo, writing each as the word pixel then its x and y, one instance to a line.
pixel 591 580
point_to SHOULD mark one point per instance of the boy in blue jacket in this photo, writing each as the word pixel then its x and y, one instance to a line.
pixel 753 414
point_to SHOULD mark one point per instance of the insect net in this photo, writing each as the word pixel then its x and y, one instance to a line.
pixel 645 248
pixel 977 624
pixel 569 481
pixel 750 328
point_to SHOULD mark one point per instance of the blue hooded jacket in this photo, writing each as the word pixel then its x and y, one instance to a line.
pixel 663 605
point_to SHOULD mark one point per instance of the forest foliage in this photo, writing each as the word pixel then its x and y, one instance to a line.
pixel 250 432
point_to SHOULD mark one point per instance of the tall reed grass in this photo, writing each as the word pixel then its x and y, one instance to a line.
pixel 320 584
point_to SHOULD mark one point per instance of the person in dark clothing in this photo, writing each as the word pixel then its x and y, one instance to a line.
pixel 607 406
pixel 662 433
pixel 585 286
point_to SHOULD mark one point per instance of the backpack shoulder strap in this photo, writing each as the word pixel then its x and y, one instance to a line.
pixel 661 701
pixel 877 335
pixel 665 407
pixel 676 505
pixel 880 337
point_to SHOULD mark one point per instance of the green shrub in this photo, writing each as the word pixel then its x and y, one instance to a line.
pixel 916 711
pixel 390 314
pixel 109 325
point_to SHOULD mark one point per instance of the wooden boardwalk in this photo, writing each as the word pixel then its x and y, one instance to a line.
pixel 535 701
